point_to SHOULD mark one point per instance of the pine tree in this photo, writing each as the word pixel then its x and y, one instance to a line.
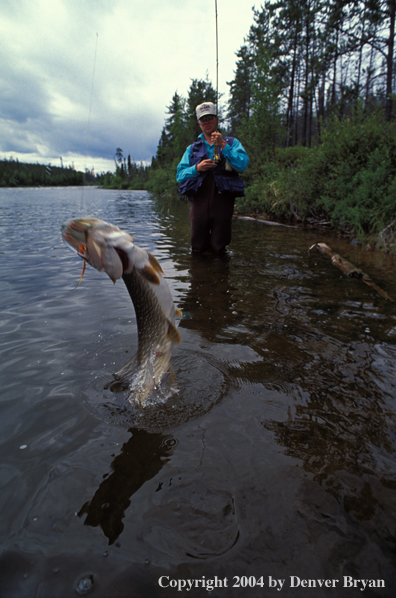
pixel 240 91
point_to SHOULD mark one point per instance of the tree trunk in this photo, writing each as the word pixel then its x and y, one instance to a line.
pixel 290 114
pixel 306 95
pixel 333 91
pixel 370 72
pixel 297 108
pixel 389 60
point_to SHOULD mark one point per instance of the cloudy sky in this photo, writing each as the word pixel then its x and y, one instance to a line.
pixel 80 78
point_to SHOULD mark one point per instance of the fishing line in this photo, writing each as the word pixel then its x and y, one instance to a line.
pixel 216 154
pixel 88 129
pixel 217 59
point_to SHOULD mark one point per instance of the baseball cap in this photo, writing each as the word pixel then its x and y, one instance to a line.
pixel 205 108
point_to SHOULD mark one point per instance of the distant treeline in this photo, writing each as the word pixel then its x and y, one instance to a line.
pixel 19 174
pixel 127 175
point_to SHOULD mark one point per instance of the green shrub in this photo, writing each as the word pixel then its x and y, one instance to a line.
pixel 357 178
pixel 273 188
pixel 350 178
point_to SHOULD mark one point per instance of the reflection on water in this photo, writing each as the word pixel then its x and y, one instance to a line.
pixel 141 458
pixel 284 462
pixel 208 304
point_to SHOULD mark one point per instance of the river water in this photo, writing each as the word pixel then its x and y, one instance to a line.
pixel 274 462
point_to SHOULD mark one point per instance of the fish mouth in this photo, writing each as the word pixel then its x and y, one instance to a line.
pixel 75 233
pixel 102 245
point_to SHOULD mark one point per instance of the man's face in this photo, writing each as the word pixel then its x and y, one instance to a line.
pixel 208 124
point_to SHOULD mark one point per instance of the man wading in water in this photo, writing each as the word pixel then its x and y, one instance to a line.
pixel 211 184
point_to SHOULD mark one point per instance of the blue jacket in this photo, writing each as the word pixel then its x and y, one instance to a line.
pixel 227 180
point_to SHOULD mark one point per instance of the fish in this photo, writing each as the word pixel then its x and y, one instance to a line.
pixel 108 249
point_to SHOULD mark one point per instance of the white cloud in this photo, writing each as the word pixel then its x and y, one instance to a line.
pixel 51 105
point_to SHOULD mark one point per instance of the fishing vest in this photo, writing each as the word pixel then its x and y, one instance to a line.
pixel 227 181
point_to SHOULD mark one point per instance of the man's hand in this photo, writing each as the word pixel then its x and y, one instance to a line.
pixel 218 140
pixel 205 165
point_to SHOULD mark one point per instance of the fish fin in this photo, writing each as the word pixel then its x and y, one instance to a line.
pixel 155 263
pixel 128 370
pixel 173 334
pixel 149 274
pixel 178 312
pixel 168 384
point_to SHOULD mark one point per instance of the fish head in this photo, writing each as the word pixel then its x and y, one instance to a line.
pixel 102 245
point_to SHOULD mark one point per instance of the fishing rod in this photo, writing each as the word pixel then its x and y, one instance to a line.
pixel 216 157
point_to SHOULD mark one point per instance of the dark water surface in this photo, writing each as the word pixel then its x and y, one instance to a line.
pixel 275 459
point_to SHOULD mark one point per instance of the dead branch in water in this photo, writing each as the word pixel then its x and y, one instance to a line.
pixel 348 268
pixel 269 222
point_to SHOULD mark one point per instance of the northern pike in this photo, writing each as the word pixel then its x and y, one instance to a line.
pixel 109 249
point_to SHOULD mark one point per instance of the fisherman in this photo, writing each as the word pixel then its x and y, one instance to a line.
pixel 208 176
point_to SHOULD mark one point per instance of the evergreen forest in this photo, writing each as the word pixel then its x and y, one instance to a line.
pixel 19 174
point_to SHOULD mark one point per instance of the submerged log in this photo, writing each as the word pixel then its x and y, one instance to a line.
pixel 348 268
pixel 269 222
